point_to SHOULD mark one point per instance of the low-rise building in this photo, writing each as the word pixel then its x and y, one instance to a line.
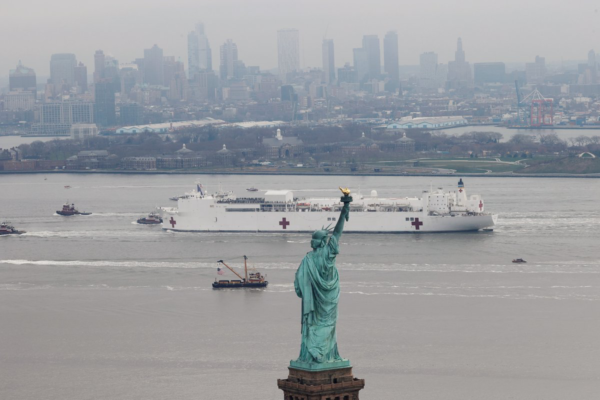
pixel 283 146
pixel 428 123
pixel 83 131
pixel 183 158
pixel 91 159
pixel 139 163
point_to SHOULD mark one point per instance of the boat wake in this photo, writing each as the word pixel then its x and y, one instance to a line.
pixel 89 234
pixel 581 268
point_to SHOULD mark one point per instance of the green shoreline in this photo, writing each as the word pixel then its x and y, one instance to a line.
pixel 498 175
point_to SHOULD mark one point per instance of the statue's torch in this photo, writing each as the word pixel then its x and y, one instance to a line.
pixel 346 199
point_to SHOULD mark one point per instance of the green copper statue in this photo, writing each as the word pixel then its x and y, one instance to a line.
pixel 318 284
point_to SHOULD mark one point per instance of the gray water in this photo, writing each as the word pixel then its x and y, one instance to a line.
pixel 98 307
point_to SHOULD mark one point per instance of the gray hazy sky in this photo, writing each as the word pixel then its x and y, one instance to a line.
pixel 501 30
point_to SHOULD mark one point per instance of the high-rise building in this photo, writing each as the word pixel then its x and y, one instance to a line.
pixel 66 112
pixel 104 103
pixel 428 70
pixel 154 66
pixel 391 62
pixel 130 114
pixel 129 76
pixel 176 79
pixel 371 45
pixel 459 70
pixel 199 52
pixel 62 69
pixel 204 86
pixel 492 72
pixel 592 59
pixel 328 62
pixel 536 71
pixel 590 71
pixel 81 77
pixel 361 64
pixel 288 52
pixel 99 62
pixel 56 118
pixel 347 74
pixel 19 101
pixel 22 79
pixel 229 57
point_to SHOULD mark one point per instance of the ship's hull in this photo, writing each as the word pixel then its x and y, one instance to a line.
pixel 218 285
pixel 219 220
pixel 69 214
pixel 11 233
pixel 146 222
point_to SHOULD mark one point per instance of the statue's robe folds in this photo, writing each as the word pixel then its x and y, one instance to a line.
pixel 317 283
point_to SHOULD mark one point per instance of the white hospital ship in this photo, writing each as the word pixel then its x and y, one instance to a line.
pixel 280 211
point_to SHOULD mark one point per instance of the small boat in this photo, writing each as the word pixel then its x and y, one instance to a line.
pixel 176 198
pixel 69 209
pixel 67 187
pixel 519 261
pixel 252 280
pixel 252 189
pixel 7 229
pixel 152 219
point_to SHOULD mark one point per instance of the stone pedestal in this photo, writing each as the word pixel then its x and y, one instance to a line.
pixel 331 384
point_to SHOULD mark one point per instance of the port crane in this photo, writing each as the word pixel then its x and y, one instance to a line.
pixel 534 109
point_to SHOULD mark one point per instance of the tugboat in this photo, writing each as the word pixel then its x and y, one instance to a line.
pixel 519 261
pixel 252 280
pixel 152 219
pixel 69 209
pixel 7 229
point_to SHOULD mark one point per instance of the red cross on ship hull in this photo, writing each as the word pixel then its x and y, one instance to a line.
pixel 284 223
pixel 417 224
pixel 173 222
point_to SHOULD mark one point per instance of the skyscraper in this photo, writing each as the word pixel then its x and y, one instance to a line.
pixel 459 70
pixel 428 70
pixel 288 52
pixel 22 79
pixel 62 69
pixel 154 66
pixel 81 77
pixel 371 45
pixel 199 52
pixel 592 67
pixel 361 64
pixel 104 103
pixel 328 62
pixel 229 57
pixel 176 79
pixel 536 71
pixel 99 62
pixel 391 63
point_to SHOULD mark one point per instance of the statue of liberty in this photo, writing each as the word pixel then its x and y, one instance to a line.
pixel 317 283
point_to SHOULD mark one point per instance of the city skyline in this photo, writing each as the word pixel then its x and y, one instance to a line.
pixel 258 40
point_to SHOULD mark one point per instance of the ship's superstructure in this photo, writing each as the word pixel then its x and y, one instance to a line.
pixel 281 211
pixel 7 229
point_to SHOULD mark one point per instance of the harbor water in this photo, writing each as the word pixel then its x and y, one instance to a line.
pixel 98 307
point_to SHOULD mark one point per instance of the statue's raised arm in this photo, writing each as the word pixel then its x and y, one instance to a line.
pixel 344 213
